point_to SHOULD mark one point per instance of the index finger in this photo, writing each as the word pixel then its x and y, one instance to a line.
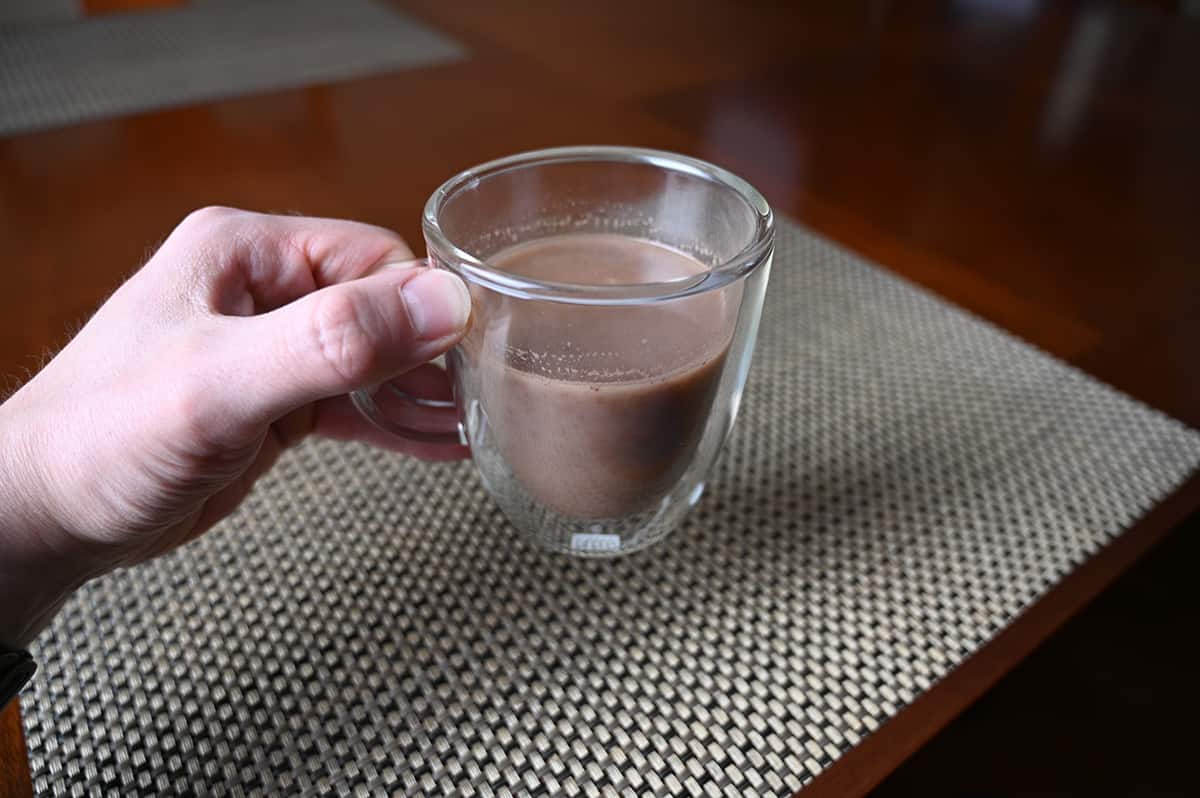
pixel 273 260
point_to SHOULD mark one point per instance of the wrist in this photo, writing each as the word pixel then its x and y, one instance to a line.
pixel 39 567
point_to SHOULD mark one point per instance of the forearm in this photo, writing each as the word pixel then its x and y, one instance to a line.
pixel 36 576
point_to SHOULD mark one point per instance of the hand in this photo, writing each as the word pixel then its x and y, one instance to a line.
pixel 240 336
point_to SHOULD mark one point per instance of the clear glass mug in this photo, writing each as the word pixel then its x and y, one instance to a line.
pixel 594 406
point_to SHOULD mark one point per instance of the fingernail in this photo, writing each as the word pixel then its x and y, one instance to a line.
pixel 438 304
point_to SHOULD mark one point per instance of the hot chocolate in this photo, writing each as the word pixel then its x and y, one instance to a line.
pixel 597 410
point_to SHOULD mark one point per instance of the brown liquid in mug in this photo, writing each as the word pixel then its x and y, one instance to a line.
pixel 599 410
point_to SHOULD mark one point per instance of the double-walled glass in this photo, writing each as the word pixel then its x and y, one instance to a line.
pixel 595 406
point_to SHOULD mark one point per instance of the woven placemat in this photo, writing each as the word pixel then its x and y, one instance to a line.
pixel 100 67
pixel 903 481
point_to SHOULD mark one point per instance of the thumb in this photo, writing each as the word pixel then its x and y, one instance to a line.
pixel 348 336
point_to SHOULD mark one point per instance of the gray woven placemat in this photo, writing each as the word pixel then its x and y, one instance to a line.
pixel 903 481
pixel 100 67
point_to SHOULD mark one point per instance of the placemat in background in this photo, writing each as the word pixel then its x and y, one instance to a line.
pixel 105 66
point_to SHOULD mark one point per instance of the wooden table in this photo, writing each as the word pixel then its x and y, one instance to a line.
pixel 1038 167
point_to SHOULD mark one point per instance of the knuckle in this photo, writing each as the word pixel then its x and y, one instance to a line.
pixel 209 218
pixel 341 336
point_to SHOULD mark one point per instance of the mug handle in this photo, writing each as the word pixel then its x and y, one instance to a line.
pixel 364 400
pixel 370 410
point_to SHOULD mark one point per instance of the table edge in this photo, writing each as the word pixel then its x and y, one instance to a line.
pixel 15 778
pixel 867 764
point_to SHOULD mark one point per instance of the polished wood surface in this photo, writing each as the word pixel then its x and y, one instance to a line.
pixel 1033 162
pixel 97 7
pixel 14 768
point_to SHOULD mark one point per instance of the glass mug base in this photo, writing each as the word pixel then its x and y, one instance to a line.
pixel 566 534
pixel 616 295
pixel 594 538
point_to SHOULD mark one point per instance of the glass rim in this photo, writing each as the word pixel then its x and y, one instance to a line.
pixel 478 271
